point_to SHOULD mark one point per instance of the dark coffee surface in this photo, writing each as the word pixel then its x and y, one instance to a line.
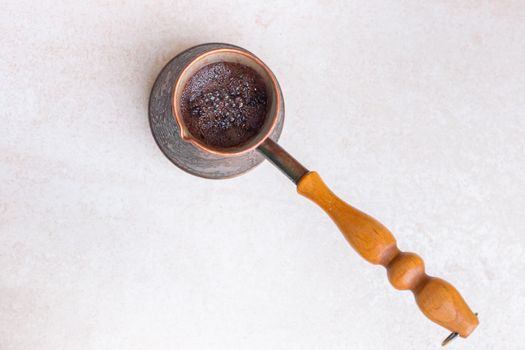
pixel 224 104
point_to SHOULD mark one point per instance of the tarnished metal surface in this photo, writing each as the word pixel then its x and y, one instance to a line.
pixel 167 134
pixel 283 160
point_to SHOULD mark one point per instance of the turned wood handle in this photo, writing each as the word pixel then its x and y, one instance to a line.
pixel 436 298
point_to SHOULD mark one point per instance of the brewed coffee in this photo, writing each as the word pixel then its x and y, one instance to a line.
pixel 224 104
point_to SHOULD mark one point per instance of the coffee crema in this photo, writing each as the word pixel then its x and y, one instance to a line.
pixel 224 104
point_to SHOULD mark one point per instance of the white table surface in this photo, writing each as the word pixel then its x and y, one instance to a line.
pixel 412 111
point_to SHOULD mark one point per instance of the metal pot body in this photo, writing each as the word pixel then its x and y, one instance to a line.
pixel 167 132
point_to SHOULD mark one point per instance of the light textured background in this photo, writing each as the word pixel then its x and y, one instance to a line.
pixel 413 111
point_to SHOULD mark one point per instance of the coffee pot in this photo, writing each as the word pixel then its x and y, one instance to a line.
pixel 436 298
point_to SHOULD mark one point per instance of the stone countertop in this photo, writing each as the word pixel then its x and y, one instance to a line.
pixel 412 111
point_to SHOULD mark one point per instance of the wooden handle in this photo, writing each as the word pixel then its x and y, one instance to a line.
pixel 436 298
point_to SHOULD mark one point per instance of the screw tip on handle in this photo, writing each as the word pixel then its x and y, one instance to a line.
pixel 452 336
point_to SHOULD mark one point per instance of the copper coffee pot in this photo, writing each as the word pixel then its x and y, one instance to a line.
pixel 436 298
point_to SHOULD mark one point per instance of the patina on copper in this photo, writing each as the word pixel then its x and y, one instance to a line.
pixel 168 134
pixel 191 154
